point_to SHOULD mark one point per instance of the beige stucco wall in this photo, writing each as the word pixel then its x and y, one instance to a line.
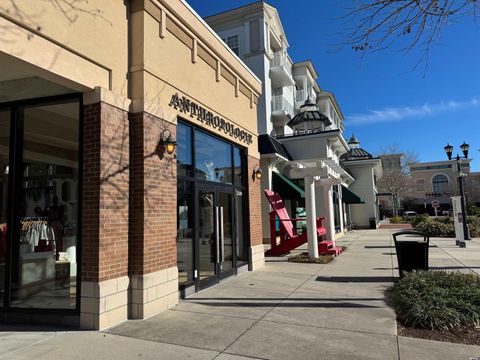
pixel 87 47
pixel 164 66
pixel 80 47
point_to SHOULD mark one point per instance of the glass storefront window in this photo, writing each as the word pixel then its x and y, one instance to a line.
pixel 44 271
pixel 213 159
pixel 185 227
pixel 184 150
pixel 4 171
pixel 211 223
pixel 237 167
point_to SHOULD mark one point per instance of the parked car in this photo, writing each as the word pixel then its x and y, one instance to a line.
pixel 409 214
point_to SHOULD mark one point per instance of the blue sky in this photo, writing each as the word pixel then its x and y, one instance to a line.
pixel 384 100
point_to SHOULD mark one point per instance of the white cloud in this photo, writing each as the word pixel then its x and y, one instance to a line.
pixel 391 114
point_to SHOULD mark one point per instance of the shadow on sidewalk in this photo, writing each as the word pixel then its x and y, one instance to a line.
pixel 12 327
pixel 288 302
pixel 355 279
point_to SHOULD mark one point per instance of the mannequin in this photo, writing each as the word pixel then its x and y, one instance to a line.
pixel 56 221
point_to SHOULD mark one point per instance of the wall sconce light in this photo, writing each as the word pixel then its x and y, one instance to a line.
pixel 257 173
pixel 6 170
pixel 167 143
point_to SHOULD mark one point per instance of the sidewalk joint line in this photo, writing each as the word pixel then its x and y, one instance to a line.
pixel 33 344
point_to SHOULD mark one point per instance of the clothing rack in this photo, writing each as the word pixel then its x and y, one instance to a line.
pixel 28 221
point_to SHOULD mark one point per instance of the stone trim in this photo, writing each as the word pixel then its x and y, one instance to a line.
pixel 257 257
pixel 104 304
pixel 153 293
pixel 106 96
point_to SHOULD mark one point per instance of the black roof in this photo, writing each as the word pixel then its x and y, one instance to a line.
pixel 356 154
pixel 309 115
pixel 269 145
pixel 353 140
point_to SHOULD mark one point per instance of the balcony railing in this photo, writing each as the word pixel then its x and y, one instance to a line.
pixel 279 103
pixel 303 94
pixel 280 60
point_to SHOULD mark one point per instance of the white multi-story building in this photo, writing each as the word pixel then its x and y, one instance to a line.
pixel 299 123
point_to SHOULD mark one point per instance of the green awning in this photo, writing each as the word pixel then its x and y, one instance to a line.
pixel 287 189
pixel 349 197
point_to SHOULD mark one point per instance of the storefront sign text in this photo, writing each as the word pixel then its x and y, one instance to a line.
pixel 206 117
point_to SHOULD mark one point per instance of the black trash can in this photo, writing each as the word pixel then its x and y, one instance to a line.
pixel 373 223
pixel 412 254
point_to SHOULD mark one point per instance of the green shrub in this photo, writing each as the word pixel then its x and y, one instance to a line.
pixel 438 300
pixel 474 226
pixel 436 228
pixel 473 210
pixel 442 219
pixel 395 220
pixel 418 219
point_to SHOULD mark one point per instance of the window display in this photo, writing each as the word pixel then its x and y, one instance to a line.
pixel 44 204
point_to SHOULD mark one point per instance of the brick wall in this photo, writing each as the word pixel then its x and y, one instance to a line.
pixel 105 193
pixel 255 211
pixel 154 197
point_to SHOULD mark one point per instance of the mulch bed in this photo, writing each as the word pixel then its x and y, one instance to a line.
pixel 395 226
pixel 303 258
pixel 463 335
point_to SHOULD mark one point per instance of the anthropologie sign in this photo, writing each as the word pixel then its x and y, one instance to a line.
pixel 206 117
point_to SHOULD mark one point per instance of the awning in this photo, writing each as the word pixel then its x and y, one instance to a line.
pixel 286 187
pixel 349 197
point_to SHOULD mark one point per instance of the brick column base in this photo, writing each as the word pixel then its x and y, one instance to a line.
pixel 257 257
pixel 153 293
pixel 104 304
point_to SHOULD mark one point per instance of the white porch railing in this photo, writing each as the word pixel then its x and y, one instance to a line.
pixel 279 102
pixel 280 60
pixel 303 94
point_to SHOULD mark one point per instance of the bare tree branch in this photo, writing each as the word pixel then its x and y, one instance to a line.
pixel 414 24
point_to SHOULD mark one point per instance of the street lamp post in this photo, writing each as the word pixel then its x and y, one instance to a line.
pixel 449 150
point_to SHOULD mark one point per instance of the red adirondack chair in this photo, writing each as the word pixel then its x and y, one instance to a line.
pixel 289 238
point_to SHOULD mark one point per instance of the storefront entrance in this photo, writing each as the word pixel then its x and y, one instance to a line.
pixel 214 235
pixel 210 202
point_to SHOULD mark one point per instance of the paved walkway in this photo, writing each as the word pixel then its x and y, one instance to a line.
pixel 286 311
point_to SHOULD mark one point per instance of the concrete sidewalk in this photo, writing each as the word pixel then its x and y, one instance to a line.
pixel 286 311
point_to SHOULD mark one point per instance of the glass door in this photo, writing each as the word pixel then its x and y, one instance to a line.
pixel 226 228
pixel 215 234
pixel 207 238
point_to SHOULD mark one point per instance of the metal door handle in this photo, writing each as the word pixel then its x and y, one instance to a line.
pixel 222 236
pixel 217 235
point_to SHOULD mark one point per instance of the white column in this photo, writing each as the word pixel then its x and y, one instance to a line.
pixel 327 207
pixel 311 217
pixel 340 208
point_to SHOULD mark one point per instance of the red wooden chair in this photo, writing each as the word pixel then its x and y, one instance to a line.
pixel 289 238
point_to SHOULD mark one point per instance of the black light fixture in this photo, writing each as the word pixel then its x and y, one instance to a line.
pixel 448 150
pixel 257 173
pixel 167 143
pixel 465 147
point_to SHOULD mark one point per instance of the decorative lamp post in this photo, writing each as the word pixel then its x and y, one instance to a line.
pixel 449 151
